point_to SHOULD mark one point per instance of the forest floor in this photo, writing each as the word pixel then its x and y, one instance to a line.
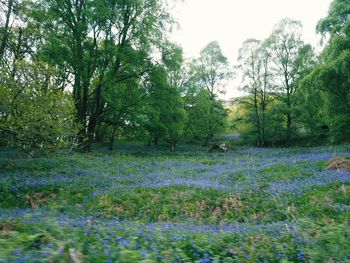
pixel 147 205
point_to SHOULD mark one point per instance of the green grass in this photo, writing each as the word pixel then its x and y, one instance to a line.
pixel 47 204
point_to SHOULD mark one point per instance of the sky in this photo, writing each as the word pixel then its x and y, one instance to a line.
pixel 231 22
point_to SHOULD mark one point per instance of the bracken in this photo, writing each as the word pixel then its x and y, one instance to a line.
pixel 339 164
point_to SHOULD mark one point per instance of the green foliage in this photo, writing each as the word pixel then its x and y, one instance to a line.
pixel 311 111
pixel 254 59
pixel 326 238
pixel 76 72
pixel 330 81
pixel 165 115
pixel 175 118
pixel 87 208
pixel 273 125
pixel 330 77
pixel 207 77
pixel 206 116
pixel 337 22
pixel 99 45
pixel 34 115
pixel 275 106
pixel 291 58
pixel 122 119
pixel 211 70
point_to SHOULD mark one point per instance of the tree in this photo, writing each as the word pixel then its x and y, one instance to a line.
pixel 290 58
pixel 175 115
pixel 207 78
pixel 34 115
pixel 206 116
pixel 311 109
pixel 330 78
pixel 211 69
pixel 337 23
pixel 91 42
pixel 254 63
pixel 6 11
pixel 332 75
pixel 121 119
pixel 165 115
pixel 18 36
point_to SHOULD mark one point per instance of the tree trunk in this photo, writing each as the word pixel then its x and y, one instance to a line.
pixel 173 146
pixel 289 127
pixel 90 133
pixel 111 139
pixel 5 31
pixel 289 108
pixel 98 133
pixel 78 98
pixel 257 116
pixel 263 127
pixel 111 143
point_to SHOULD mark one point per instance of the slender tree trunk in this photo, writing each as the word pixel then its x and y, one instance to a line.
pixel 94 116
pixel 263 113
pixel 289 107
pixel 111 144
pixel 98 133
pixel 289 127
pixel 90 133
pixel 111 139
pixel 289 115
pixel 257 117
pixel 79 95
pixel 6 28
pixel 173 146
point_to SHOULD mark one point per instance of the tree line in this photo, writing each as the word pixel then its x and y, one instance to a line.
pixel 76 72
pixel 293 94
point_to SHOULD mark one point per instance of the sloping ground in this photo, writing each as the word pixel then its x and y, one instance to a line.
pixel 250 205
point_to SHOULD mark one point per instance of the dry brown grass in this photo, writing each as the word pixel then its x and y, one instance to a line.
pixel 38 199
pixel 339 164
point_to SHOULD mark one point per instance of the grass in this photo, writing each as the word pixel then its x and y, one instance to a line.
pixel 148 205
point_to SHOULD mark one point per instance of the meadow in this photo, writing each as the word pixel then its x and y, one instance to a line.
pixel 139 204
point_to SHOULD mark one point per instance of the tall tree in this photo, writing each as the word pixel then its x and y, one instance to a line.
pixel 290 57
pixel 254 63
pixel 208 76
pixel 34 115
pixel 6 10
pixel 165 114
pixel 18 36
pixel 331 76
pixel 211 69
pixel 175 116
pixel 121 118
pixel 206 116
pixel 92 41
pixel 337 23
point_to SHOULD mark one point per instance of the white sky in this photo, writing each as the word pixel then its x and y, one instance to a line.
pixel 231 22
